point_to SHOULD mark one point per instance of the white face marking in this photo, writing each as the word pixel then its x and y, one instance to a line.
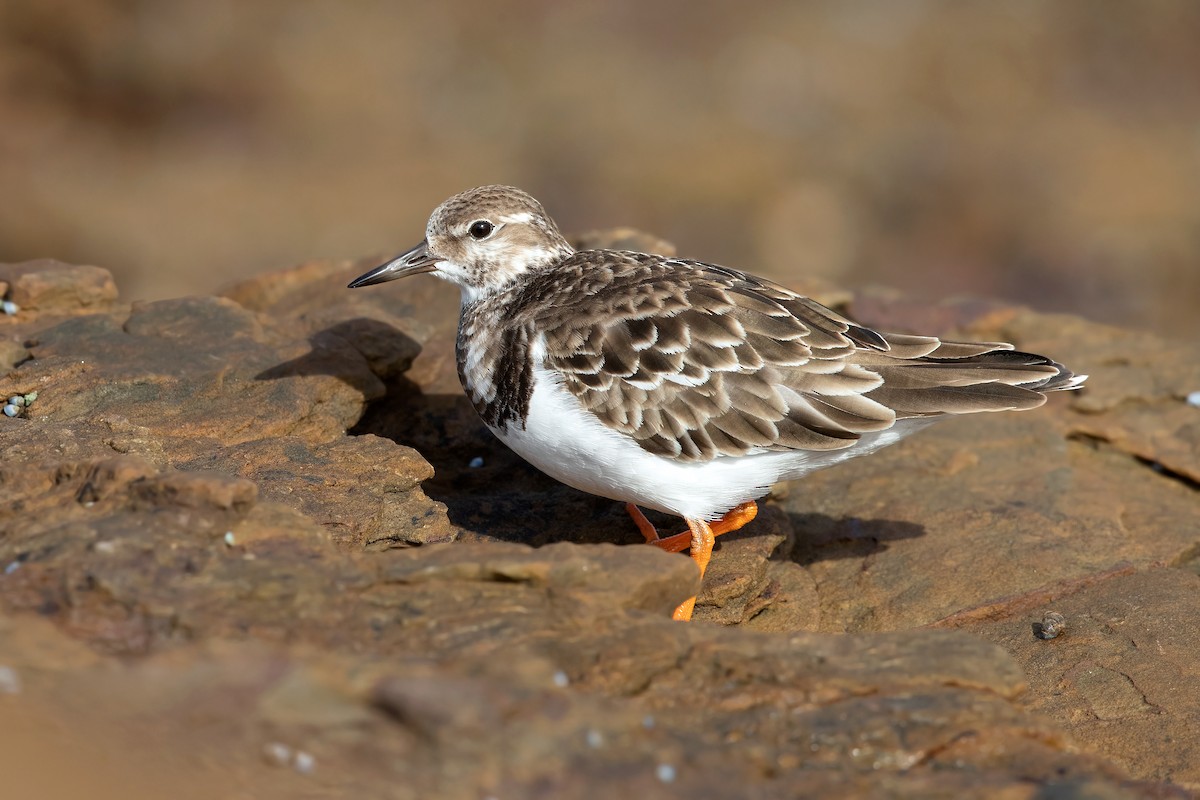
pixel 519 218
pixel 528 256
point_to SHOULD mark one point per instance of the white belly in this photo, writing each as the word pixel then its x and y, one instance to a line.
pixel 572 445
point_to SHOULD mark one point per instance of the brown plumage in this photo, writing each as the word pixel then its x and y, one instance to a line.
pixel 695 361
pixel 678 385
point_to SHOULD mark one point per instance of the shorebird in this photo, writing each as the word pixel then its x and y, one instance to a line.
pixel 677 385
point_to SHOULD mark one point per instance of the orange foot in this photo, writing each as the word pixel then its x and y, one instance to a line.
pixel 699 537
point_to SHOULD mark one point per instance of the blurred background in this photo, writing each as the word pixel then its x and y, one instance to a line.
pixel 1045 153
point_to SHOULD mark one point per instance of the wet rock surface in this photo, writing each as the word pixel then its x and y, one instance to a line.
pixel 196 554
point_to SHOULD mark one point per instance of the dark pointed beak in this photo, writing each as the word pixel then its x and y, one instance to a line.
pixel 413 262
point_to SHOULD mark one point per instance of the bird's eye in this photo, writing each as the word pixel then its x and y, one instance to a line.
pixel 481 229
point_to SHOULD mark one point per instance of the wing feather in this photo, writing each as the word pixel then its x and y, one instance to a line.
pixel 697 362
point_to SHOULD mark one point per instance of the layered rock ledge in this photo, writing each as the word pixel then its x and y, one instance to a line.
pixel 259 542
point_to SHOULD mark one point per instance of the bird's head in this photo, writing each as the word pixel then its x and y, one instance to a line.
pixel 480 240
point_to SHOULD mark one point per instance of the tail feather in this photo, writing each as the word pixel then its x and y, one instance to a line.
pixel 964 378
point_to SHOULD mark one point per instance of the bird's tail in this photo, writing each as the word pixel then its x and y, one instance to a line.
pixel 924 376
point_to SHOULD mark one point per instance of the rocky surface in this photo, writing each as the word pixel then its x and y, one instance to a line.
pixel 259 543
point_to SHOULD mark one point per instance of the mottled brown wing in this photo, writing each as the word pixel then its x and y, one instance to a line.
pixel 696 361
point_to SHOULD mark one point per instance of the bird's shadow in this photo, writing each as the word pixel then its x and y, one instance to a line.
pixel 490 493
pixel 820 537
pixel 360 352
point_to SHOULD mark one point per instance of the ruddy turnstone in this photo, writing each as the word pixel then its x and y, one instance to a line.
pixel 677 385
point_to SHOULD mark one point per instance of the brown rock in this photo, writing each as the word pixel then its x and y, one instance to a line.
pixel 978 509
pixel 199 383
pixel 362 489
pixel 184 495
pixel 50 286
pixel 311 299
pixel 1137 403
pixel 11 354
pixel 195 490
pixel 1124 672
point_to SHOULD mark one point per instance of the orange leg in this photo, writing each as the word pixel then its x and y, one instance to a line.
pixel 699 538
pixel 703 540
pixel 729 523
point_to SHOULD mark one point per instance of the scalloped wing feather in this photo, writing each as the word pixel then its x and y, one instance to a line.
pixel 695 362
